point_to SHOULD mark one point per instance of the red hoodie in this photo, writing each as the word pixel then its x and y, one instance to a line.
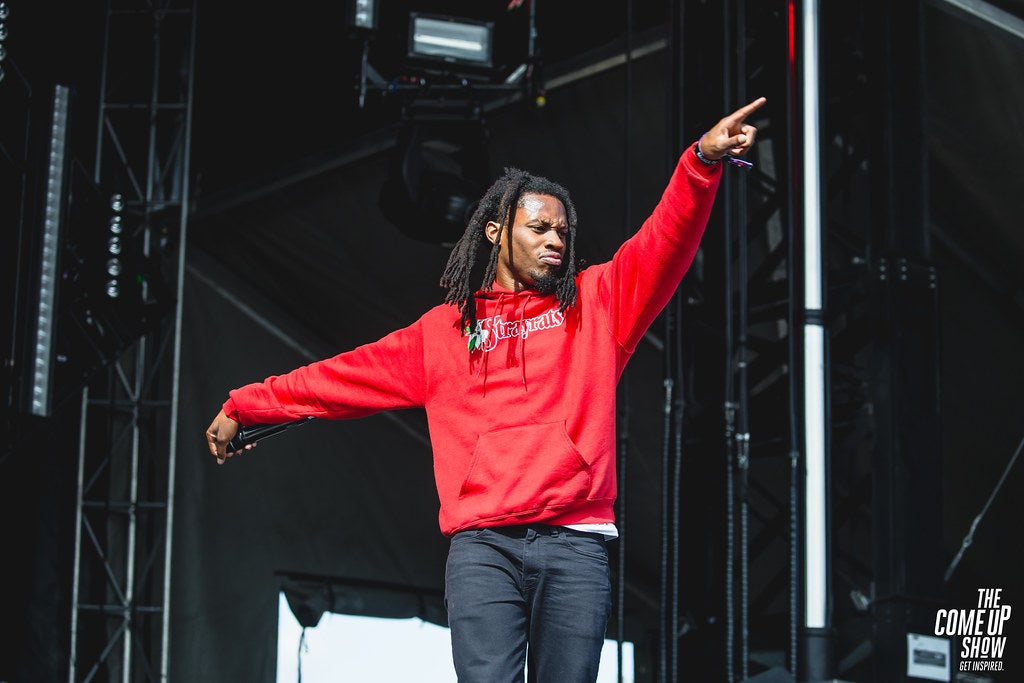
pixel 523 426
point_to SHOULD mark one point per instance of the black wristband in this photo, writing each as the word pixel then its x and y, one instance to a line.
pixel 709 162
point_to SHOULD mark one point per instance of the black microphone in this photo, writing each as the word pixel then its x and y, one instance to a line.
pixel 253 433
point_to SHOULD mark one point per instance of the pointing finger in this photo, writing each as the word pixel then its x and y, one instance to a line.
pixel 743 112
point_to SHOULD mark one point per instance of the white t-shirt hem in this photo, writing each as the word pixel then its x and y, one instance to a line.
pixel 607 529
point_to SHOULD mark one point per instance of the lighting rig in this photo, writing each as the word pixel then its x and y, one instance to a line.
pixel 453 70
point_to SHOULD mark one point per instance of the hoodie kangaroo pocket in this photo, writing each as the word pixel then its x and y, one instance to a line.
pixel 524 469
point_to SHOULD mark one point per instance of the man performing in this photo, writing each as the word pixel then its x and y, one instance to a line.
pixel 518 381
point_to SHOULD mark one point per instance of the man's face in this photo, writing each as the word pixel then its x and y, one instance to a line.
pixel 534 257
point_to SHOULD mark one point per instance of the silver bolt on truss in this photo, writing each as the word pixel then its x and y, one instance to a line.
pixel 127 441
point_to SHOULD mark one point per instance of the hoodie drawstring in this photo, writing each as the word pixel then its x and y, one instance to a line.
pixel 497 312
pixel 522 337
pixel 519 338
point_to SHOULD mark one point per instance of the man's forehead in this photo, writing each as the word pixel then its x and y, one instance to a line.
pixel 533 205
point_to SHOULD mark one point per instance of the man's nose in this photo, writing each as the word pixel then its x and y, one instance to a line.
pixel 555 240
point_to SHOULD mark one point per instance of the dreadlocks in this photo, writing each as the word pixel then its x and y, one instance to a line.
pixel 499 204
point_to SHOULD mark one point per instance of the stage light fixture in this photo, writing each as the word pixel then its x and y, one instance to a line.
pixel 53 209
pixel 115 246
pixel 439 170
pixel 451 40
pixel 4 13
pixel 362 14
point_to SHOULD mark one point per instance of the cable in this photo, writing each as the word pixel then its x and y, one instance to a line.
pixel 791 274
pixel 676 474
pixel 743 457
pixel 621 610
pixel 666 435
pixel 730 410
pixel 624 391
pixel 673 125
pixel 969 538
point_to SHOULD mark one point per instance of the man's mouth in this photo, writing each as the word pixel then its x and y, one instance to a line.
pixel 552 258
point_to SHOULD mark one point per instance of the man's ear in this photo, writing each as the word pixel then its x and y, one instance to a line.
pixel 492 230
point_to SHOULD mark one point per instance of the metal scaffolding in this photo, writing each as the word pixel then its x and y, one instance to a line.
pixel 748 295
pixel 127 440
pixel 877 316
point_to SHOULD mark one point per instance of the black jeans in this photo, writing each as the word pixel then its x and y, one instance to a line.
pixel 534 595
